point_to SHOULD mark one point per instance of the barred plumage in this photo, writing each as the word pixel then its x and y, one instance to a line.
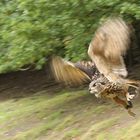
pixel 107 71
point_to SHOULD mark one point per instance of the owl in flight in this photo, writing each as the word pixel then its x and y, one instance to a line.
pixel 106 72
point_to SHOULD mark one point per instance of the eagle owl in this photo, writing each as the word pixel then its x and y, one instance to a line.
pixel 106 50
pixel 106 73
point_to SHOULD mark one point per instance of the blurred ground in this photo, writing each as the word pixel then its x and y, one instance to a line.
pixel 34 108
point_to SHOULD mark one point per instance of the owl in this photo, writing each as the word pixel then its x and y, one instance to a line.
pixel 106 72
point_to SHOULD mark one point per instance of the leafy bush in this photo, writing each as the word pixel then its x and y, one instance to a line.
pixel 33 30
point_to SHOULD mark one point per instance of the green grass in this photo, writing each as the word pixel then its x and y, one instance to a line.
pixel 63 116
pixel 71 134
pixel 127 133
pixel 98 127
pixel 36 131
pixel 132 132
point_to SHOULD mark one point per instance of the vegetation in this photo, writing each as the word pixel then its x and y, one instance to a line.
pixel 65 116
pixel 33 30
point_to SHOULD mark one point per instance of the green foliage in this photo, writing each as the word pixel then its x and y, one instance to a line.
pixel 33 30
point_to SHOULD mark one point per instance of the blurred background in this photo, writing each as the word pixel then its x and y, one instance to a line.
pixel 32 30
pixel 34 108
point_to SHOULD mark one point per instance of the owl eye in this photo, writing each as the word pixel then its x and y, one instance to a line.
pixel 96 84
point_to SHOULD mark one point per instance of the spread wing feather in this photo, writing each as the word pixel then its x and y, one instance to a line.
pixel 66 72
pixel 108 46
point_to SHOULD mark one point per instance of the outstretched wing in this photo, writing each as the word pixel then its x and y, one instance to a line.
pixel 66 72
pixel 107 48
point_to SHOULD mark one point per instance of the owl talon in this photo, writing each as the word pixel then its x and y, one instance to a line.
pixel 131 113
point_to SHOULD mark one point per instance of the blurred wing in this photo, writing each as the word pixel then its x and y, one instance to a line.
pixel 65 71
pixel 109 44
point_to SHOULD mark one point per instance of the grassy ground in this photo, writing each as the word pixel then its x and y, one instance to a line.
pixel 32 109
pixel 66 115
